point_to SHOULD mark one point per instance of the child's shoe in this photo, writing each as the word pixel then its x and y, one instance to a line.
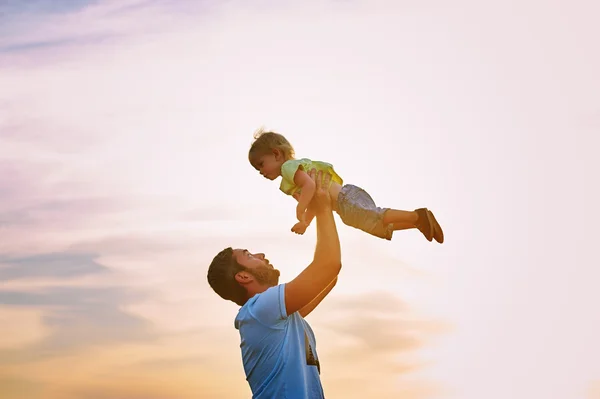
pixel 438 233
pixel 425 223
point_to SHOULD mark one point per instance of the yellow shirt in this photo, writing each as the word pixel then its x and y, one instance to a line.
pixel 289 168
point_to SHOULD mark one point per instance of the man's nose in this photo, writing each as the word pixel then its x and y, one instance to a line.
pixel 262 256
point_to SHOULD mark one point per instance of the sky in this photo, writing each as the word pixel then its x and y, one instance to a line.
pixel 124 131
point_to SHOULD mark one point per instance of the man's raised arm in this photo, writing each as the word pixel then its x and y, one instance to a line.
pixel 305 311
pixel 327 261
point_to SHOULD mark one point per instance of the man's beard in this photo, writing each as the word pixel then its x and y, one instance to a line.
pixel 265 275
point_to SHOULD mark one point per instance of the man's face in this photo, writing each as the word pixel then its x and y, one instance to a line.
pixel 257 266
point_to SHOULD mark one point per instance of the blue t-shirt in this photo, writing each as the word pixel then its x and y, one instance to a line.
pixel 278 351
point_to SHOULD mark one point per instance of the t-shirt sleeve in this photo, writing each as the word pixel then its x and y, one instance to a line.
pixel 269 307
pixel 289 168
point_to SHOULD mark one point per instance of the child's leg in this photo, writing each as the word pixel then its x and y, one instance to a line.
pixel 404 219
pixel 403 226
pixel 357 209
pixel 401 220
pixel 421 219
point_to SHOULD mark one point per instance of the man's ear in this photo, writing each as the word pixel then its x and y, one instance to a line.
pixel 244 277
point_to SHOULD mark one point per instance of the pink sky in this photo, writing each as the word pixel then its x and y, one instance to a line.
pixel 124 128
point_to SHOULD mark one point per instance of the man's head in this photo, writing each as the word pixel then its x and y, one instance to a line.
pixel 236 274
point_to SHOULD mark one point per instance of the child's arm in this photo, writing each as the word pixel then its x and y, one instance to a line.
pixel 307 185
pixel 308 217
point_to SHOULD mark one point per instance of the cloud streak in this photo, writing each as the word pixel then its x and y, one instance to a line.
pixel 77 318
pixel 58 265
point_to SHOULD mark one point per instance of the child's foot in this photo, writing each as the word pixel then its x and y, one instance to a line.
pixel 438 233
pixel 425 223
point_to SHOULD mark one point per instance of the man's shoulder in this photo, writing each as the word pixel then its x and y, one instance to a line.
pixel 265 307
pixel 269 293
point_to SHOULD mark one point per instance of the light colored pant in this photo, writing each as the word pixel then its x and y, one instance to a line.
pixel 357 209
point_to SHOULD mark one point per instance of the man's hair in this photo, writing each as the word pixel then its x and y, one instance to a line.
pixel 221 277
pixel 265 142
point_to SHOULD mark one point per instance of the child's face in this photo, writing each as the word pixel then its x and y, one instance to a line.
pixel 269 165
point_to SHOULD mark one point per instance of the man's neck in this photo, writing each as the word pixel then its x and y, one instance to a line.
pixel 256 289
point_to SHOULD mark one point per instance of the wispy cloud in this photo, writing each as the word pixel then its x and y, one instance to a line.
pixel 371 332
pixel 77 317
pixel 65 25
pixel 175 362
pixel 16 8
pixel 21 388
pixel 60 265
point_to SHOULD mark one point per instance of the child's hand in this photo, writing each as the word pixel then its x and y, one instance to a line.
pixel 301 217
pixel 299 228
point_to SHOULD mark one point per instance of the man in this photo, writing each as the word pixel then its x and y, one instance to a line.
pixel 278 345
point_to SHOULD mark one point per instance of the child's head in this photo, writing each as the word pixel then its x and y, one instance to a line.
pixel 268 152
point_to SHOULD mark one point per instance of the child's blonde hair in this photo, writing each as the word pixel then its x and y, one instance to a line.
pixel 265 142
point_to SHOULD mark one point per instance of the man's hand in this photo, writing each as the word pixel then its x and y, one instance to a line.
pixel 300 228
pixel 321 200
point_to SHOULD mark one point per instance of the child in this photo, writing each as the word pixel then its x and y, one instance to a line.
pixel 273 156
